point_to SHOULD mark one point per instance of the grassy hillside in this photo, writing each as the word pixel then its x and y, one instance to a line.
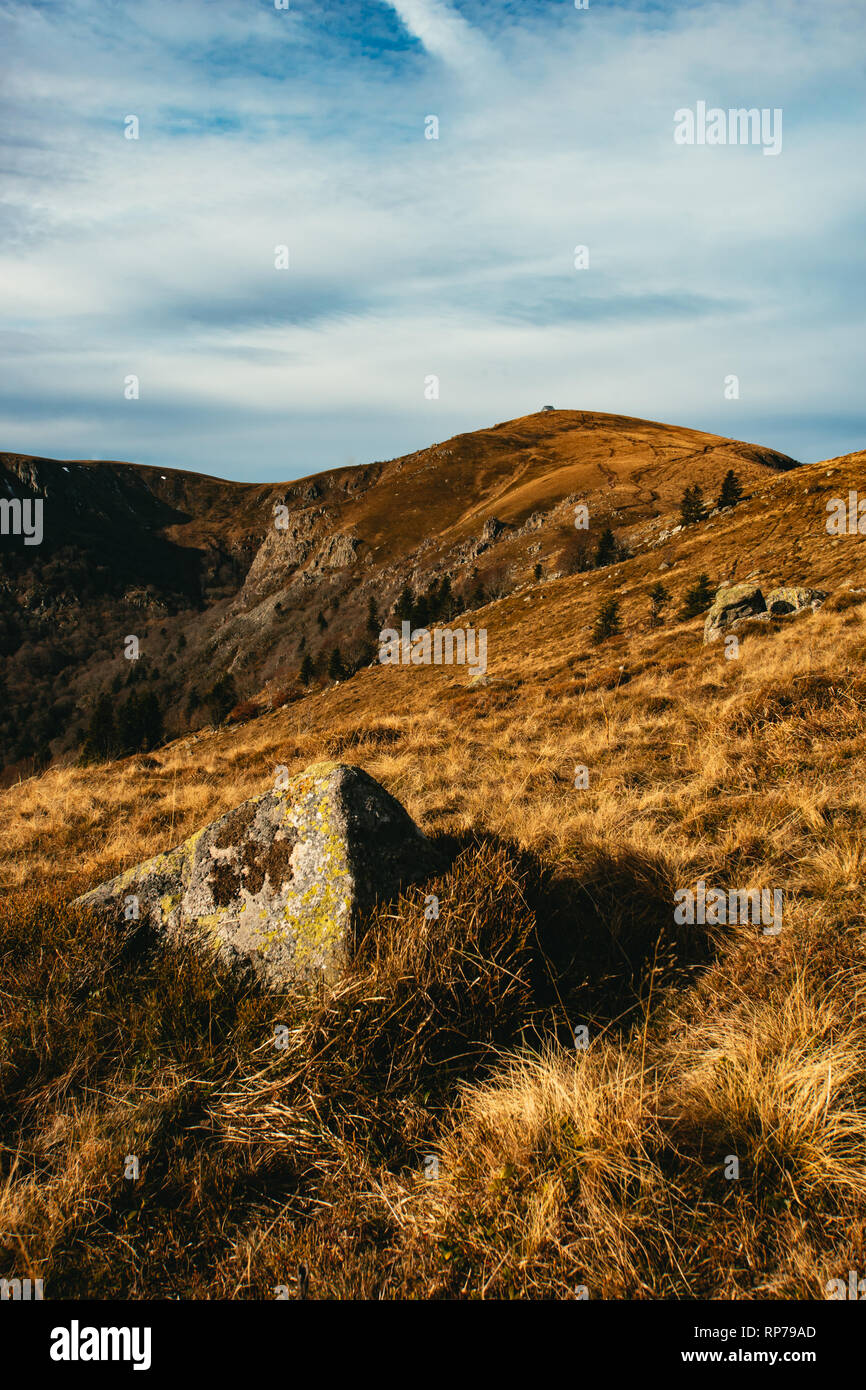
pixel 431 1128
pixel 215 590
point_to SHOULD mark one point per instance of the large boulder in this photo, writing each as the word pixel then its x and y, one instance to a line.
pixel 278 882
pixel 732 604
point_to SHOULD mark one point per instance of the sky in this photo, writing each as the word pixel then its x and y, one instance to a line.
pixel 411 258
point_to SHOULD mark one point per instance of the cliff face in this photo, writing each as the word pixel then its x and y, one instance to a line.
pixel 220 579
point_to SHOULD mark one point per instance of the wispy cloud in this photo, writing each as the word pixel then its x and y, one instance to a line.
pixel 411 256
pixel 443 31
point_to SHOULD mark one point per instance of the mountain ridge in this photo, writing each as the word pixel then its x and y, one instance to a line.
pixel 216 582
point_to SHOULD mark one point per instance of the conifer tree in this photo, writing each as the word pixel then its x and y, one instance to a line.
pixel 698 598
pixel 307 671
pixel 446 599
pixel 732 490
pixel 659 599
pixel 607 622
pixel 99 741
pixel 606 550
pixel 221 698
pixel 403 606
pixel 692 506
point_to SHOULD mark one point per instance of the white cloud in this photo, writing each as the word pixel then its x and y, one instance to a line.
pixel 412 256
pixel 443 31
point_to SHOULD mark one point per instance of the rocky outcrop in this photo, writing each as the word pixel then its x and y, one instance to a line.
pixel 336 552
pixel 782 602
pixel 492 528
pixel 732 604
pixel 277 883
pixel 288 543
pixel 738 603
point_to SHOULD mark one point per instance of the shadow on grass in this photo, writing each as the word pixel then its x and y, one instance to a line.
pixel 110 1048
pixel 606 944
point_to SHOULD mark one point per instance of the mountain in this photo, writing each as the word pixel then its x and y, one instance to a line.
pixel 548 1086
pixel 228 585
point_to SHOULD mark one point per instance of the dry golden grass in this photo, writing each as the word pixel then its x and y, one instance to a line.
pixel 559 1168
pixel 599 1170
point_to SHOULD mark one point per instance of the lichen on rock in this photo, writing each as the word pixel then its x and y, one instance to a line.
pixel 278 882
pixel 731 605
pixel 784 601
pixel 738 603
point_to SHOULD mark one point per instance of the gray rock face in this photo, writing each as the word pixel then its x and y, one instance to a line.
pixel 492 528
pixel 336 552
pixel 278 882
pixel 732 604
pixel 781 602
pixel 737 603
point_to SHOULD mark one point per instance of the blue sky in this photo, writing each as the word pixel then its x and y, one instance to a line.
pixel 411 257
